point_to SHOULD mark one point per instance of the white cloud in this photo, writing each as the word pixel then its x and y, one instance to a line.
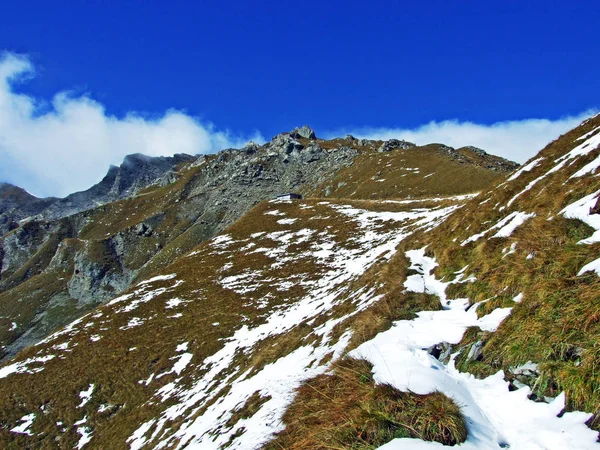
pixel 68 145
pixel 517 140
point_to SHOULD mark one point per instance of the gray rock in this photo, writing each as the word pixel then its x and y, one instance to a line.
pixel 304 132
pixel 393 144
pixel 475 352
pixel 251 147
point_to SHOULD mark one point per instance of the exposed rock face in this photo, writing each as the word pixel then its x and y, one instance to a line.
pixel 304 132
pixel 17 204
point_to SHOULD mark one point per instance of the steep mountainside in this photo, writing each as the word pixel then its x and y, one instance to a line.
pixel 340 323
pixel 52 271
pixel 135 173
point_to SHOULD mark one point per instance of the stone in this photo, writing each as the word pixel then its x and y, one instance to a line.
pixel 305 132
pixel 392 144
pixel 250 148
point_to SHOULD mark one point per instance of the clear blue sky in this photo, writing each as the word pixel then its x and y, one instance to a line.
pixel 273 65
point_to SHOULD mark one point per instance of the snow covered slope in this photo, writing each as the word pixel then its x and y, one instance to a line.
pixel 322 324
pixel 246 317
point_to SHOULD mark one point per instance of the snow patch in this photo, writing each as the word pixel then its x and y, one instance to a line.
pixel 495 417
pixel 85 396
pixel 24 427
pixel 581 210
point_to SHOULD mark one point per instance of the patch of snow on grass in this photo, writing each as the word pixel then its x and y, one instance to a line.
pixel 589 133
pixel 182 363
pixel 526 168
pixel 590 144
pixel 275 212
pixel 581 210
pixel 85 396
pixel 133 322
pixel 494 416
pixel 516 221
pixel 286 221
pixel 23 366
pixel 86 436
pixel 24 427
pixel 582 149
pixel 507 225
pixel 589 267
pixel 158 278
pixel 174 302
pixel 182 347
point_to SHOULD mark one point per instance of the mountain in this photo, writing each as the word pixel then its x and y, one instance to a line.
pixel 16 204
pixel 135 173
pixel 54 270
pixel 339 322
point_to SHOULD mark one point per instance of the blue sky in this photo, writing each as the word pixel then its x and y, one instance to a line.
pixel 253 69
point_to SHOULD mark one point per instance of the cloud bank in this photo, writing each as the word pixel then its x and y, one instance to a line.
pixel 68 145
pixel 517 140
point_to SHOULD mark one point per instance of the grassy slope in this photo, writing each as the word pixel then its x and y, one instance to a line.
pixel 175 234
pixel 557 324
pixel 411 173
pixel 122 357
pixel 29 291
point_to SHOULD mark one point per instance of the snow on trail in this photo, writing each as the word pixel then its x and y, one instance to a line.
pixel 495 417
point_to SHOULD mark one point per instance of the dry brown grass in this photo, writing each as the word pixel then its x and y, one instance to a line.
pixel 346 410
pixel 387 176
pixel 557 323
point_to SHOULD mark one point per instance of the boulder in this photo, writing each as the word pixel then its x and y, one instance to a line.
pixel 305 132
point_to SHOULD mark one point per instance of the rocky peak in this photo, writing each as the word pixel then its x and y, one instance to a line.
pixel 305 132
pixel 8 190
pixel 251 148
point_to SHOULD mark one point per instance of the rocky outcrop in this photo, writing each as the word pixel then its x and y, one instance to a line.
pixel 392 144
pixel 305 132
pixel 17 205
